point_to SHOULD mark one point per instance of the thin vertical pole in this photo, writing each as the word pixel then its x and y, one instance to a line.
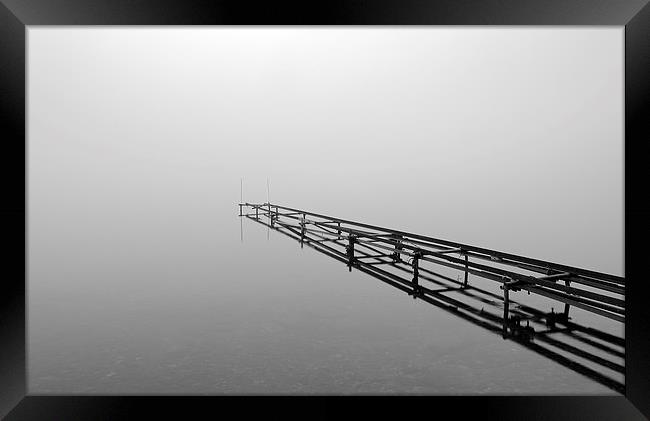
pixel 350 250
pixel 302 230
pixel 567 306
pixel 416 273
pixel 506 305
pixel 466 272
pixel 268 197
pixel 241 195
pixel 397 257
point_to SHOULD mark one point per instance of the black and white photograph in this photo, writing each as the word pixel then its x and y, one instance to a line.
pixel 360 208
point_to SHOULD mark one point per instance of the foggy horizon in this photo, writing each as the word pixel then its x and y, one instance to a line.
pixel 506 138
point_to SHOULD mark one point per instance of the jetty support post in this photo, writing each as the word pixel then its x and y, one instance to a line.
pixel 350 250
pixel 416 273
pixel 567 306
pixel 466 268
pixel 302 230
pixel 397 256
pixel 506 305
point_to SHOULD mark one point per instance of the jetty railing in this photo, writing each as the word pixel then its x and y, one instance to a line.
pixel 406 261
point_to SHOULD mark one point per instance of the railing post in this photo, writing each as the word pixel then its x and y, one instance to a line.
pixel 302 230
pixel 506 305
pixel 240 212
pixel 567 306
pixel 416 273
pixel 466 270
pixel 350 251
pixel 339 230
pixel 397 256
pixel 257 215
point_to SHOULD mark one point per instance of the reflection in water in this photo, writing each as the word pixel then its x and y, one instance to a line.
pixel 594 353
pixel 186 308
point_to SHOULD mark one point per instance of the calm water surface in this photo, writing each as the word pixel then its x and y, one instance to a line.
pixel 190 308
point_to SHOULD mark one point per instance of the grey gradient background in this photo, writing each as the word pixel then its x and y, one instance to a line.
pixel 508 138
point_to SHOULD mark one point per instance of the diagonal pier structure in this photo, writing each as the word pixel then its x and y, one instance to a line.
pixel 411 263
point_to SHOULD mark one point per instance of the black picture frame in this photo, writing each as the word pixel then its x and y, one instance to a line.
pixel 16 15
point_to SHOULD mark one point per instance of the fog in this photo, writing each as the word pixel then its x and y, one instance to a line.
pixel 138 139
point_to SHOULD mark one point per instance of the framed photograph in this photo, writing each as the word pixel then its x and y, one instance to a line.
pixel 386 205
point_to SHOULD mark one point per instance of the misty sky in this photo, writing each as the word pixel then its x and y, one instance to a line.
pixel 508 138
